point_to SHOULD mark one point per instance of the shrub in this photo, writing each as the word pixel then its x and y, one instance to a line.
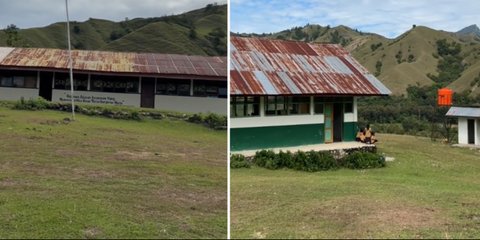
pixel 363 160
pixel 285 159
pixel 239 161
pixel 261 157
pixel 31 104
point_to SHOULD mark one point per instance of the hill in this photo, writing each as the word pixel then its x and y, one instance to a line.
pixel 410 59
pixel 470 30
pixel 199 32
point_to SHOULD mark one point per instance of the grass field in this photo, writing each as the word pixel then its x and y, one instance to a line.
pixel 430 190
pixel 104 178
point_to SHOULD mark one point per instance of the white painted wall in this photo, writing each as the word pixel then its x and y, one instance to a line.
pixel 477 131
pixel 191 104
pixel 123 99
pixel 13 94
pixel 246 122
pixel 264 121
pixel 462 131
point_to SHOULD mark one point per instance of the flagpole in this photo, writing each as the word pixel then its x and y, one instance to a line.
pixel 70 62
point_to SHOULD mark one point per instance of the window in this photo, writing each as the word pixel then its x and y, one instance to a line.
pixel 62 81
pixel 7 82
pixel 348 107
pixel 276 105
pixel 203 88
pixel 319 103
pixel 114 84
pixel 318 108
pixel 19 79
pixel 299 105
pixel 245 106
pixel 178 87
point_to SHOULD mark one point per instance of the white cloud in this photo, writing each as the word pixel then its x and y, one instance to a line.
pixel 37 13
pixel 386 17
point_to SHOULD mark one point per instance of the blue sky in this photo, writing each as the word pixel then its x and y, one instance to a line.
pixel 389 18
pixel 39 13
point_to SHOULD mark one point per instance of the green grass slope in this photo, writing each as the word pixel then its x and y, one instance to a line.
pixel 429 191
pixel 168 34
pixel 104 178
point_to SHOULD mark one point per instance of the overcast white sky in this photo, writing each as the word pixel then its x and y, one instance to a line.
pixel 386 17
pixel 39 13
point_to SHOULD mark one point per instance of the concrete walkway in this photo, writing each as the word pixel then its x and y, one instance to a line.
pixel 306 148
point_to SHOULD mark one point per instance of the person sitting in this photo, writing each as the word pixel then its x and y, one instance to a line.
pixel 369 135
pixel 360 137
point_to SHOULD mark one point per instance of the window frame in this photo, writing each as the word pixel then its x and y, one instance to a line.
pixel 245 103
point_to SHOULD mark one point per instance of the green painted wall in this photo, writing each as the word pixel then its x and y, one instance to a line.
pixel 349 131
pixel 284 136
pixel 277 136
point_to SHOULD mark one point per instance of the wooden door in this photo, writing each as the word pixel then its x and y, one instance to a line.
pixel 328 122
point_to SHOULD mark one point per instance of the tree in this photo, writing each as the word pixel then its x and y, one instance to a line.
pixel 192 34
pixel 12 35
pixel 76 29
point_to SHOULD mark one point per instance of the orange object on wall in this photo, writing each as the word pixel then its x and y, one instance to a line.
pixel 445 97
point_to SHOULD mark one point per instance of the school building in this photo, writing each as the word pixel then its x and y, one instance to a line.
pixel 163 81
pixel 288 93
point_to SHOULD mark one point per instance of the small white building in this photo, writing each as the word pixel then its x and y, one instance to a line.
pixel 468 124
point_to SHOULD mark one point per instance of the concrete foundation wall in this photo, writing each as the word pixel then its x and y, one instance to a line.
pixel 13 94
pixel 191 104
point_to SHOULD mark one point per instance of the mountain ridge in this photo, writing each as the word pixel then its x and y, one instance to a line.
pixel 197 32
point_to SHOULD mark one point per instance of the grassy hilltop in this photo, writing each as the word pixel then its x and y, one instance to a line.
pixel 199 32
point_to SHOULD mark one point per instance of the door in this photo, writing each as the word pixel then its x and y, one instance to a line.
pixel 46 85
pixel 328 122
pixel 337 122
pixel 471 131
pixel 148 93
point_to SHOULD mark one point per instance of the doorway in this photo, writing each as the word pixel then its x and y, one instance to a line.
pixel 148 93
pixel 46 85
pixel 337 122
pixel 471 131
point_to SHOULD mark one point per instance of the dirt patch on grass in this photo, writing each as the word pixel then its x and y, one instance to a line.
pixel 197 200
pixel 366 217
pixel 92 232
pixel 67 153
pixel 127 155
pixel 146 155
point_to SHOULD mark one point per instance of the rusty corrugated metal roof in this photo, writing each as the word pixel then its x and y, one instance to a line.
pixel 277 67
pixel 115 62
pixel 463 112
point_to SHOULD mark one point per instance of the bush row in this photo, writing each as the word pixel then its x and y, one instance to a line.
pixel 211 120
pixel 311 161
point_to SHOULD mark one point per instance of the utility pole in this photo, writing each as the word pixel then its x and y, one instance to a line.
pixel 70 64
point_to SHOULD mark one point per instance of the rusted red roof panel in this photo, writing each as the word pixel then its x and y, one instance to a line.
pixel 276 67
pixel 115 62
